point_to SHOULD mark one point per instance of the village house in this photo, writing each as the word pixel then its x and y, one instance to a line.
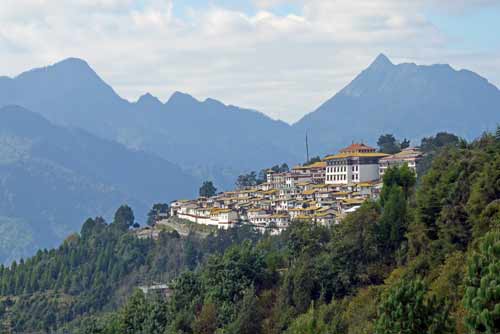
pixel 409 156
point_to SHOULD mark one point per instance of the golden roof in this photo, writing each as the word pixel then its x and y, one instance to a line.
pixel 356 155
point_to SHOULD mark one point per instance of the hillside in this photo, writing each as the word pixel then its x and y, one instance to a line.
pixel 405 100
pixel 424 258
pixel 51 178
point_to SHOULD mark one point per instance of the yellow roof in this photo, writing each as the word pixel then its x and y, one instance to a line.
pixel 341 193
pixel 255 210
pixel 216 211
pixel 303 183
pixel 311 208
pixel 279 216
pixel 323 214
pixel 318 164
pixel 356 155
pixel 309 192
pixel 354 200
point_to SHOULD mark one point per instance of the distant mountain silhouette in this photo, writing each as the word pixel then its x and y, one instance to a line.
pixel 407 100
pixel 208 138
pixel 52 178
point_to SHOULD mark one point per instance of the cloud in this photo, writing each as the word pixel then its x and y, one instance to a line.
pixel 282 64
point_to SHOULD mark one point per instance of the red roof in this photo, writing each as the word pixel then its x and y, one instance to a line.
pixel 355 147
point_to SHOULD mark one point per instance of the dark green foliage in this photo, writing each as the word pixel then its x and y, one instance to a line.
pixel 91 272
pixel 124 218
pixel 482 297
pixel 208 189
pixel 388 144
pixel 442 139
pixel 406 310
pixel 155 212
pixel 393 223
pixel 405 144
pixel 247 180
pixel 249 316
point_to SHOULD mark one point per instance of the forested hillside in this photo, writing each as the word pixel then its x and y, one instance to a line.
pixel 424 258
pixel 52 178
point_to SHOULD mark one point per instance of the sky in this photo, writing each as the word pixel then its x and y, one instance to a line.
pixel 281 57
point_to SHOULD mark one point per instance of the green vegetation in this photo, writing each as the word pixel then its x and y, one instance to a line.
pixel 158 210
pixel 208 189
pixel 387 143
pixel 396 265
pixel 93 272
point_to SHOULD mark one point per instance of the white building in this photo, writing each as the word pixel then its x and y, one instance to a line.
pixel 354 164
pixel 410 156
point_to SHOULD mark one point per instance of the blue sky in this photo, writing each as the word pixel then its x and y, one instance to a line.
pixel 474 30
pixel 247 6
pixel 281 57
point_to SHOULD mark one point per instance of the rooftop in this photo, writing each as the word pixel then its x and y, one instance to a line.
pixel 357 148
pixel 356 155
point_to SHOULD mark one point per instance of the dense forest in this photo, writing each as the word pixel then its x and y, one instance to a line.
pixel 424 258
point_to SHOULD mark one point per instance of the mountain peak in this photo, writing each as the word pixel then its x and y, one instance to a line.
pixel 71 68
pixel 72 61
pixel 179 97
pixel 149 100
pixel 382 61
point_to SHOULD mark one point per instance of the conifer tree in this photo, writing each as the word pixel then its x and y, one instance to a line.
pixel 406 310
pixel 482 297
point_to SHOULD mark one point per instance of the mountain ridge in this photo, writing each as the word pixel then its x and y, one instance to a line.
pixel 215 141
pixel 68 174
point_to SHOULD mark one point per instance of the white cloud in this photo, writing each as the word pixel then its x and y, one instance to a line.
pixel 284 65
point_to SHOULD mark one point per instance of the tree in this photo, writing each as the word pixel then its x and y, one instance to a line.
pixel 133 315
pixel 405 144
pixel 393 222
pixel 497 134
pixel 247 180
pixel 442 139
pixel 482 297
pixel 406 310
pixel 156 210
pixel 124 217
pixel 248 320
pixel 387 144
pixel 206 321
pixel 208 189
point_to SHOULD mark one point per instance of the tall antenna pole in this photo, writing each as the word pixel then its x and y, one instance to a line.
pixel 307 148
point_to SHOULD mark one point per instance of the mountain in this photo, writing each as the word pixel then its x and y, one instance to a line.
pixel 208 138
pixel 211 140
pixel 52 178
pixel 407 100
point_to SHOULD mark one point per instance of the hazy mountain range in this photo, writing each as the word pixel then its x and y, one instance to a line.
pixel 52 178
pixel 95 150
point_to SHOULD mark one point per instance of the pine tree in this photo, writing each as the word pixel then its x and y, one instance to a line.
pixel 406 310
pixel 482 297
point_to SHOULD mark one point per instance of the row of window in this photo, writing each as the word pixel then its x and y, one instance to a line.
pixel 341 177
pixel 340 169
